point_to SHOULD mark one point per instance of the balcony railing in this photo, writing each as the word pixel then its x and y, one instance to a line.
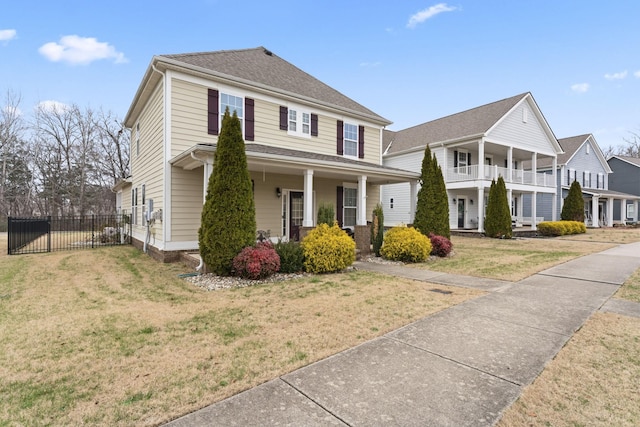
pixel 486 172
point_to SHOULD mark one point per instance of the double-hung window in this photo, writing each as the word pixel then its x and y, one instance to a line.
pixel 350 140
pixel 463 162
pixel 350 206
pixel 134 206
pixel 299 123
pixel 234 103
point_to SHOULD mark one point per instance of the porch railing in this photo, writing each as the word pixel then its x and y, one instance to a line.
pixel 487 172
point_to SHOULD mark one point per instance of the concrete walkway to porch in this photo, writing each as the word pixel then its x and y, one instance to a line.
pixel 460 367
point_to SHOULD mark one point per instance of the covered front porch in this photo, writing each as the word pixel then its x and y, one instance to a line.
pixel 290 185
pixel 467 206
pixel 600 208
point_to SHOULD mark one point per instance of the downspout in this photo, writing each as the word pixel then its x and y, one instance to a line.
pixel 205 165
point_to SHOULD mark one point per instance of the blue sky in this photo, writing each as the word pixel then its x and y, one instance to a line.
pixel 409 61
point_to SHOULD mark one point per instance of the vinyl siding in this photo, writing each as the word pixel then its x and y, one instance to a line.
pixel 147 165
pixel 581 162
pixel 187 200
pixel 625 177
pixel 189 116
pixel 529 136
pixel 400 193
pixel 189 124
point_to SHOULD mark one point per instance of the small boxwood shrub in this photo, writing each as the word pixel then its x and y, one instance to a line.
pixel 405 244
pixel 561 228
pixel 440 245
pixel 256 262
pixel 328 249
pixel 291 256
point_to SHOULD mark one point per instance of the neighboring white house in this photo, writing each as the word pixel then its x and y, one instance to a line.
pixel 473 148
pixel 583 161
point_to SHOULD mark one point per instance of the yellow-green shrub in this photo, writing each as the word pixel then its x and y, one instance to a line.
pixel 405 244
pixel 328 249
pixel 561 228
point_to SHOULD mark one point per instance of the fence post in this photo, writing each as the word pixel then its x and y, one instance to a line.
pixel 93 230
pixel 49 233
pixel 9 236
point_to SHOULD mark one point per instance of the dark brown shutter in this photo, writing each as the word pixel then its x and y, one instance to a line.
pixel 284 112
pixel 339 204
pixel 314 125
pixel 249 119
pixel 340 138
pixel 361 142
pixel 469 159
pixel 212 112
pixel 506 165
pixel 584 177
pixel 455 159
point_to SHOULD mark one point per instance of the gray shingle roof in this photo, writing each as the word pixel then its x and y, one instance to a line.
pixel 262 66
pixel 630 159
pixel 476 121
pixel 569 146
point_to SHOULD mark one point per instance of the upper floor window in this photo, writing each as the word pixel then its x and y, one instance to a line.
pixel 586 180
pixel 299 122
pixel 462 161
pixel 571 176
pixel 217 104
pixel 350 140
pixel 137 139
pixel 234 103
pixel 600 181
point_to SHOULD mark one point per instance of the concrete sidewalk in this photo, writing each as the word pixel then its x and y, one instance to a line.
pixel 460 367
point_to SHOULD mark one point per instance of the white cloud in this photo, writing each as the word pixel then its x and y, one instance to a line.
pixel 80 50
pixel 616 76
pixel 580 87
pixel 637 74
pixel 370 64
pixel 51 106
pixel 430 12
pixel 6 35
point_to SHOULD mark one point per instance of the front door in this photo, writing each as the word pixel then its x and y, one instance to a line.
pixel 296 209
pixel 461 203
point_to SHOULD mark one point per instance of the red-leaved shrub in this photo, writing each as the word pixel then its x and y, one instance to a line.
pixel 256 262
pixel 440 245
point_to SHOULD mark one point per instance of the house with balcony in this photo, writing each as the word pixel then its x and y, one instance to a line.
pixel 306 144
pixel 582 160
pixel 473 148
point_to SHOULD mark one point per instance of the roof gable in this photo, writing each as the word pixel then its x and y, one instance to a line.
pixel 261 68
pixel 474 123
pixel 634 161
pixel 571 146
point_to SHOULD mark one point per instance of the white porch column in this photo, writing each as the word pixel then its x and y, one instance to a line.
pixel 610 212
pixel 481 172
pixel 480 209
pixel 413 200
pixel 623 211
pixel 595 215
pixel 362 201
pixel 509 177
pixel 307 219
pixel 635 211
pixel 510 201
pixel 534 168
pixel 558 187
pixel 534 213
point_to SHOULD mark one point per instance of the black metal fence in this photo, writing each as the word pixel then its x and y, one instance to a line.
pixel 48 234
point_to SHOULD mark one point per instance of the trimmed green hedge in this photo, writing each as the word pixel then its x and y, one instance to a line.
pixel 561 228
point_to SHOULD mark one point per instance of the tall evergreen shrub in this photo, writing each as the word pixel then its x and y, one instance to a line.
pixel 498 220
pixel 377 229
pixel 228 222
pixel 432 210
pixel 573 208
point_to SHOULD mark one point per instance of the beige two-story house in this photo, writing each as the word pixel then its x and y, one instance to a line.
pixel 306 144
